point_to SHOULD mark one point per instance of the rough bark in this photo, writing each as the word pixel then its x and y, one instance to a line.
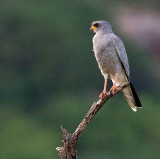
pixel 68 150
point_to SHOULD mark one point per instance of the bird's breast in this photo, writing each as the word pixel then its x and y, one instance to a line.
pixel 106 56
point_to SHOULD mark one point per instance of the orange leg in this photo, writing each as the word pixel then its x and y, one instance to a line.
pixel 114 85
pixel 104 90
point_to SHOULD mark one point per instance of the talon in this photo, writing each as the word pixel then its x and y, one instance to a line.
pixel 113 89
pixel 102 94
pixel 104 90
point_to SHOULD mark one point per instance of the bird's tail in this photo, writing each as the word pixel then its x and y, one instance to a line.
pixel 132 97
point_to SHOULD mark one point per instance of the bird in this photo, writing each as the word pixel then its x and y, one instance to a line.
pixel 111 56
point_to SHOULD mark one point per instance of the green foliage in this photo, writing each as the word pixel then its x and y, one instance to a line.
pixel 49 77
pixel 46 47
pixel 115 132
pixel 23 136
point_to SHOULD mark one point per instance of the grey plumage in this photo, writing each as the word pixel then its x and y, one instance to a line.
pixel 112 60
pixel 121 52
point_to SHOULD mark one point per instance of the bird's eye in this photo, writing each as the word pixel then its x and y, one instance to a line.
pixel 96 25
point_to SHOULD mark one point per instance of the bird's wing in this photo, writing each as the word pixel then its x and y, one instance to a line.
pixel 121 53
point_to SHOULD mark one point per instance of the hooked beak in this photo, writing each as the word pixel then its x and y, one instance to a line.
pixel 93 28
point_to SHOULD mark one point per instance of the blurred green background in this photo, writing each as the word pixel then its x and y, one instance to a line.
pixel 49 77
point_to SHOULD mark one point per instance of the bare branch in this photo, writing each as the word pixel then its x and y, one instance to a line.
pixel 68 150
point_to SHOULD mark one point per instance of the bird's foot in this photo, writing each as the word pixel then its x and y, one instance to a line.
pixel 113 89
pixel 102 94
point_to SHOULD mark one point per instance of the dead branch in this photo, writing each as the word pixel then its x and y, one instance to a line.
pixel 68 150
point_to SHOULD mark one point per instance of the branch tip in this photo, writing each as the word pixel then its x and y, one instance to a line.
pixel 58 149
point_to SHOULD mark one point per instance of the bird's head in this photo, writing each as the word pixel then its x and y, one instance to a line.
pixel 101 26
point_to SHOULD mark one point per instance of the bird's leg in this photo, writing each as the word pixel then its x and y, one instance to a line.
pixel 114 87
pixel 104 90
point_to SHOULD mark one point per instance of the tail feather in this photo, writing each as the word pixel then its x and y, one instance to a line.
pixel 132 97
pixel 136 98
